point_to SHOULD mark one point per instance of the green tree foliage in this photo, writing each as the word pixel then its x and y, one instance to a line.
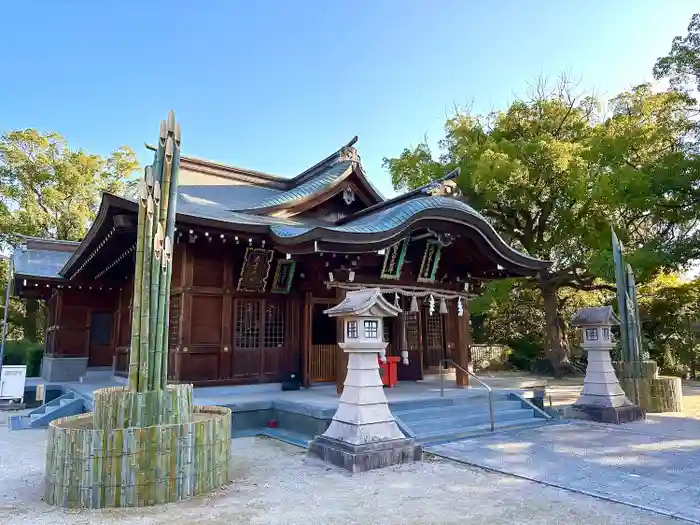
pixel 669 309
pixel 49 190
pixel 682 65
pixel 554 170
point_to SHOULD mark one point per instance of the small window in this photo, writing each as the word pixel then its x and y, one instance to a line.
pixel 606 333
pixel 352 329
pixel 591 334
pixel 371 329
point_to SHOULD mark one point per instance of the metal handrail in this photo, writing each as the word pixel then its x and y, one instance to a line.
pixel 471 374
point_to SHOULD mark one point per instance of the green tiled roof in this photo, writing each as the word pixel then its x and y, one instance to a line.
pixel 324 179
pixel 384 219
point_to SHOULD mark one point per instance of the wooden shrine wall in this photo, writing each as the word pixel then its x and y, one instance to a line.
pixel 220 335
pixel 82 323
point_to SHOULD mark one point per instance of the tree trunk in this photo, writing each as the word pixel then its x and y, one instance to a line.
pixel 557 347
pixel 31 321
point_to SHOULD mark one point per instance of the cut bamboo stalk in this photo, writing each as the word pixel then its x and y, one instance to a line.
pixel 145 299
pixel 136 296
pixel 170 234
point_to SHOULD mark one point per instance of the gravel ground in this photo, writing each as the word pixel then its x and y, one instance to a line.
pixel 274 483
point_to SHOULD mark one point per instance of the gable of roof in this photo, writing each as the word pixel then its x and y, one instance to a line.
pixel 239 189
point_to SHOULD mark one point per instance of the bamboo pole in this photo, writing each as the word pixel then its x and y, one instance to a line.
pixel 145 299
pixel 163 322
pixel 155 277
pixel 170 234
pixel 136 296
pixel 153 341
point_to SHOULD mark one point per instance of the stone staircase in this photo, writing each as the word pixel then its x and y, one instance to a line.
pixel 435 421
pixel 69 404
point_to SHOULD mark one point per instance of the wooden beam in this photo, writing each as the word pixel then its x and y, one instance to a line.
pixel 306 340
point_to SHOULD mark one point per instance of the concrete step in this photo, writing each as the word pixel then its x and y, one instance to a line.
pixel 401 406
pixel 454 424
pixel 429 440
pixel 448 411
pixel 482 397
pixel 65 405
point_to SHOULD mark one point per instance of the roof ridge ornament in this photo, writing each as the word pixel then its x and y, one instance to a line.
pixel 347 153
pixel 444 186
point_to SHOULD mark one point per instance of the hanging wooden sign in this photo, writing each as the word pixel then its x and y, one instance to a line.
pixel 429 264
pixel 393 260
pixel 284 274
pixel 255 270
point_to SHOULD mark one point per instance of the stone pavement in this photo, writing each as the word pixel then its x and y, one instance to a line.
pixel 652 465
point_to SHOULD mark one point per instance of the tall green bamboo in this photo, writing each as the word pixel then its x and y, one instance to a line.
pixel 153 342
pixel 173 128
pixel 145 298
pixel 136 304
pixel 158 319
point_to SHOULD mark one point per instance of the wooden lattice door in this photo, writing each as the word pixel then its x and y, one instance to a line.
pixel 434 341
pixel 247 323
pixel 259 338
pixel 273 338
pixel 413 345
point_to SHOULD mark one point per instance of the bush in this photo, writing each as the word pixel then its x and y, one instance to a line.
pixel 24 353
pixel 524 353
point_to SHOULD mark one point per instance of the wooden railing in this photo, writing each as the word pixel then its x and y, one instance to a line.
pixel 488 355
pixel 323 363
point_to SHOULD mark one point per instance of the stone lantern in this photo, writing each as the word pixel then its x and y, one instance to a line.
pixel 363 434
pixel 602 398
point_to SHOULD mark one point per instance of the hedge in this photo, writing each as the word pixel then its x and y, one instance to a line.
pixel 24 353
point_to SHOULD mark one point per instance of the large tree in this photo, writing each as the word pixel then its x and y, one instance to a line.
pixel 554 171
pixel 682 64
pixel 49 190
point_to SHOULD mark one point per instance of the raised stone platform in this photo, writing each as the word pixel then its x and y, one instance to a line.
pixel 369 456
pixel 616 415
pixel 63 369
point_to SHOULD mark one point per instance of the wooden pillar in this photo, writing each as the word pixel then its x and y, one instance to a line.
pixel 462 348
pixel 342 360
pixel 306 328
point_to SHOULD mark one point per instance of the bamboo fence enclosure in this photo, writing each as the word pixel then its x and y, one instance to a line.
pixel 144 444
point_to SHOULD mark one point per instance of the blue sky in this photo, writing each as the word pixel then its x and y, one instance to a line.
pixel 276 86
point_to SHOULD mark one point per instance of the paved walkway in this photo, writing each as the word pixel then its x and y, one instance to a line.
pixel 652 465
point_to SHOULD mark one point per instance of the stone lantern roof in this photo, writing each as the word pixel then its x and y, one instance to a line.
pixel 595 316
pixel 365 302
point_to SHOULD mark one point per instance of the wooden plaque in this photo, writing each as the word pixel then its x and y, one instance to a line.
pixel 429 264
pixel 255 270
pixel 284 274
pixel 393 260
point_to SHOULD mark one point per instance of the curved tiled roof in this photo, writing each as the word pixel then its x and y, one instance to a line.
pixel 321 181
pixel 395 218
pixel 387 218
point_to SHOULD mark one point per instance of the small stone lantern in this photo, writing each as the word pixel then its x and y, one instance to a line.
pixel 363 434
pixel 602 398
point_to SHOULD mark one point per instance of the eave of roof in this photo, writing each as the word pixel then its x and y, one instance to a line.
pixel 39 263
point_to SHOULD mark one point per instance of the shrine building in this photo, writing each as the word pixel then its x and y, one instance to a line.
pixel 257 260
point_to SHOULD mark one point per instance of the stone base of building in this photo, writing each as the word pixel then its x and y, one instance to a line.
pixel 368 456
pixel 63 369
pixel 616 415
